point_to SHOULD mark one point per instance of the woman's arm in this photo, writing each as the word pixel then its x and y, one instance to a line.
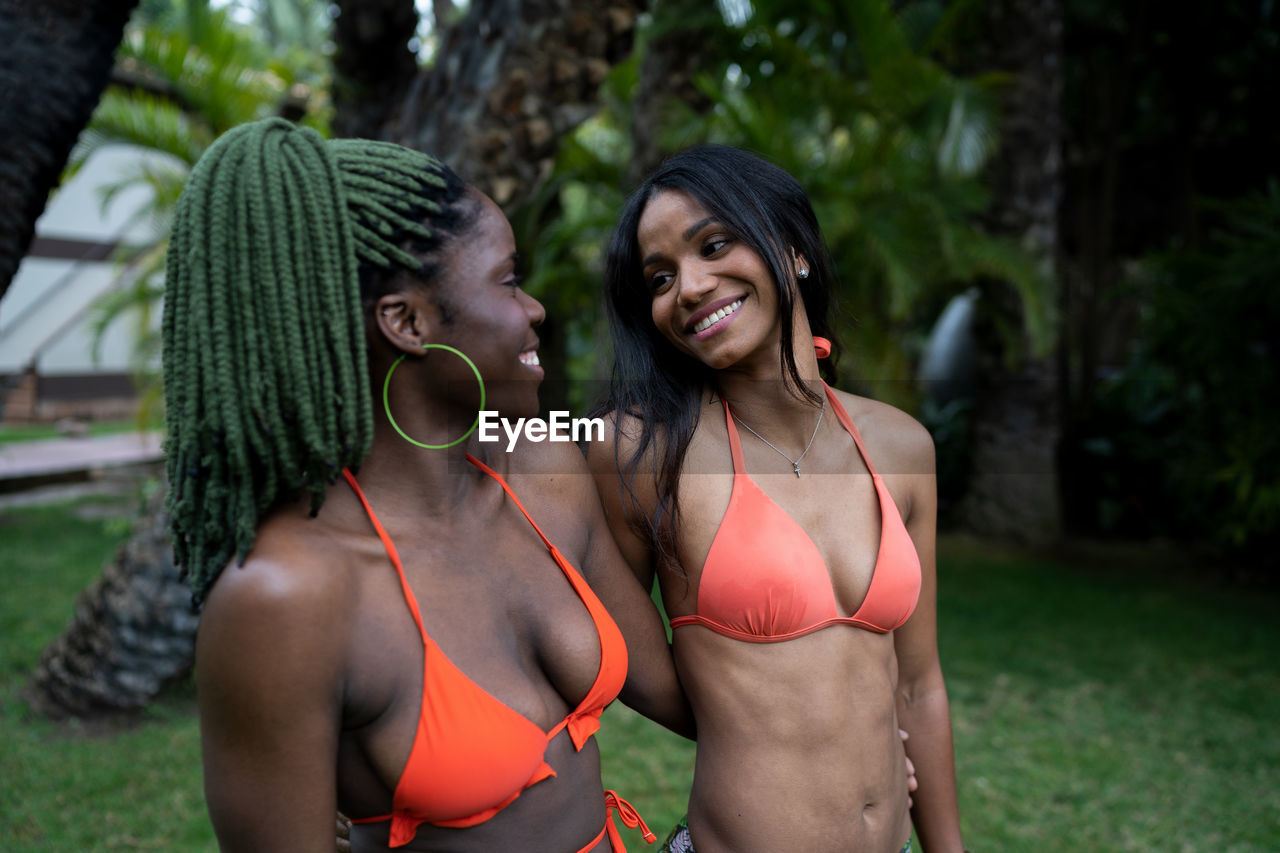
pixel 619 507
pixel 268 676
pixel 923 710
pixel 653 689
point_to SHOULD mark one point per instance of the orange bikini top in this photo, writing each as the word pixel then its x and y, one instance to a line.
pixel 472 755
pixel 764 581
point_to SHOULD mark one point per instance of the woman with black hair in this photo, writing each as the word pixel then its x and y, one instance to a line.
pixel 393 622
pixel 791 526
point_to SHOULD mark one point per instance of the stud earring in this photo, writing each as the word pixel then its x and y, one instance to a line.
pixel 803 272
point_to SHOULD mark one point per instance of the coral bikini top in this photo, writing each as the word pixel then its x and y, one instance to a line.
pixel 472 755
pixel 764 581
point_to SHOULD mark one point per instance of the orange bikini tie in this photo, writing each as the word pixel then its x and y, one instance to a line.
pixel 630 817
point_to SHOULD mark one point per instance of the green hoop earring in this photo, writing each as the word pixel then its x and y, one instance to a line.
pixel 386 403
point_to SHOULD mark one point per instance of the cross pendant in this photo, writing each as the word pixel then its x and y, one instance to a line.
pixel 796 467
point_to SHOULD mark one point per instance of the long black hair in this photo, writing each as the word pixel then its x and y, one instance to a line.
pixel 652 381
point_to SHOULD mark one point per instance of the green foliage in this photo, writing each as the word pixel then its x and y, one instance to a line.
pixel 563 230
pixel 299 29
pixel 1190 446
pixel 79 787
pixel 205 73
pixel 950 425
pixel 145 120
pixel 889 145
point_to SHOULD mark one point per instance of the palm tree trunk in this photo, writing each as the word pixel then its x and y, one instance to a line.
pixel 372 66
pixel 674 56
pixel 133 631
pixel 513 77
pixel 1013 490
pixel 55 61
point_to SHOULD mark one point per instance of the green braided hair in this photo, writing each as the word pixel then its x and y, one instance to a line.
pixel 281 240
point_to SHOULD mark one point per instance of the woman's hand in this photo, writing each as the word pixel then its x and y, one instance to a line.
pixel 344 831
pixel 912 784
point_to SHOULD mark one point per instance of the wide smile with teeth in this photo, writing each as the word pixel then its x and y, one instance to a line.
pixel 716 316
pixel 530 358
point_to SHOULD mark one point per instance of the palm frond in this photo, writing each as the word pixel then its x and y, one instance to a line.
pixel 148 121
pixel 970 136
pixel 136 293
pixel 985 255
pixel 217 69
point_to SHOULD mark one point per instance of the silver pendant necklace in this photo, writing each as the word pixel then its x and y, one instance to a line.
pixel 795 463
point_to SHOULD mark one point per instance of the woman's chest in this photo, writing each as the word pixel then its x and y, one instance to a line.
pixel 777 534
pixel 496 609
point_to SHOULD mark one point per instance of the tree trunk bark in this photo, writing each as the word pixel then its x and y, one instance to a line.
pixel 56 60
pixel 1014 485
pixel 372 65
pixel 674 57
pixel 133 632
pixel 511 79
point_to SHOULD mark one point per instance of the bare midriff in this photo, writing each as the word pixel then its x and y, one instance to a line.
pixel 798 745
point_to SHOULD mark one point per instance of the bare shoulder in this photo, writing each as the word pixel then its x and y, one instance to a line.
pixel 619 442
pixel 626 484
pixel 271 667
pixel 556 470
pixel 296 576
pixel 897 442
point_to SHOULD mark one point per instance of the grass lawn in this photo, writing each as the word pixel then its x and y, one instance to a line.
pixel 62 788
pixel 11 433
pixel 1097 707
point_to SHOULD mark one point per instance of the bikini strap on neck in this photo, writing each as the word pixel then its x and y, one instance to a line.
pixel 735 442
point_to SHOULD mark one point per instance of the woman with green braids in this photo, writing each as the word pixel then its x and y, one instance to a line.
pixel 386 629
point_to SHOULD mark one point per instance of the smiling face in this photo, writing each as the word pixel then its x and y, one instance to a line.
pixel 484 313
pixel 713 296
